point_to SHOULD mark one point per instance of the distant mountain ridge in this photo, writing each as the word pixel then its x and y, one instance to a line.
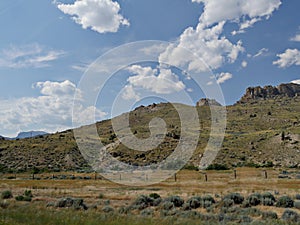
pixel 270 92
pixel 27 134
pixel 30 134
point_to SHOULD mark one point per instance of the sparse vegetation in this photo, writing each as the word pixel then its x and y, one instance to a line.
pixel 237 198
pixel 285 202
pixel 291 216
pixel 6 194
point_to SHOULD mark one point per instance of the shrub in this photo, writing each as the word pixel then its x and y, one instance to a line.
pixel 167 205
pixel 23 198
pixel 156 202
pixel 268 199
pixel 285 202
pixel 124 209
pixel 297 204
pixel 108 209
pixel 208 198
pixel 28 193
pixel 142 202
pixel 107 202
pixel 297 196
pixel 269 215
pixel 154 195
pixel 246 204
pixel 176 200
pixel 172 212
pixel 217 167
pixel 6 194
pixel 194 202
pixel 254 199
pixel 4 204
pixel 236 197
pixel 207 204
pixel 186 207
pixel 76 203
pixel 227 202
pixel 147 212
pixel 191 167
pixel 64 203
pixel 101 195
pixel 251 212
pixel 290 216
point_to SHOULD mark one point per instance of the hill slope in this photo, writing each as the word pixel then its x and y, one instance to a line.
pixel 262 130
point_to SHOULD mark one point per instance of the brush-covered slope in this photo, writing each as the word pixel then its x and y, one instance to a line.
pixel 262 130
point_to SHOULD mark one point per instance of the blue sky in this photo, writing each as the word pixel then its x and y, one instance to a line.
pixel 44 52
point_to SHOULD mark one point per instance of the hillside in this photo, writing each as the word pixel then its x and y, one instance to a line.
pixel 263 129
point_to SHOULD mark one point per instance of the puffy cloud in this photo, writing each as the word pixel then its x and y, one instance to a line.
pixel 159 81
pixel 244 64
pixel 27 56
pixel 288 58
pixel 296 38
pixel 295 81
pixel 206 43
pixel 222 77
pixel 51 111
pixel 65 88
pixel 206 40
pixel 101 16
pixel 129 93
pixel 252 11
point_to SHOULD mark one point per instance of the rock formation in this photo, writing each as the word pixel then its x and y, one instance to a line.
pixel 269 92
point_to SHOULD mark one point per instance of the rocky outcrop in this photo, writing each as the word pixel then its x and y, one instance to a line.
pixel 269 92
pixel 207 102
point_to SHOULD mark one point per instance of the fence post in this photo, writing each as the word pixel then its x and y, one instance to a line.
pixel 266 174
pixel 175 177
pixel 95 175
pixel 206 179
pixel 234 174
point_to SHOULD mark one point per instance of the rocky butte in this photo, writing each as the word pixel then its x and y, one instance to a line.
pixel 270 92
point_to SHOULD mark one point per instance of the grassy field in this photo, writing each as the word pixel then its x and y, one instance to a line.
pixel 100 193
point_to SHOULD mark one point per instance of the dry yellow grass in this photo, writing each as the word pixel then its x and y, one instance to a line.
pixel 188 183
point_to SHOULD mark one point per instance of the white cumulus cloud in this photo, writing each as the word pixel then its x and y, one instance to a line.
pixel 222 77
pixel 51 111
pixel 244 12
pixel 208 44
pixel 288 58
pixel 101 16
pixel 158 80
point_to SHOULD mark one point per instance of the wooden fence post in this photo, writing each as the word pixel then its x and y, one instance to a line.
pixel 234 174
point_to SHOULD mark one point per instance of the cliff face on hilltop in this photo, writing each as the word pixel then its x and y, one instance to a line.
pixel 269 92
pixel 207 102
